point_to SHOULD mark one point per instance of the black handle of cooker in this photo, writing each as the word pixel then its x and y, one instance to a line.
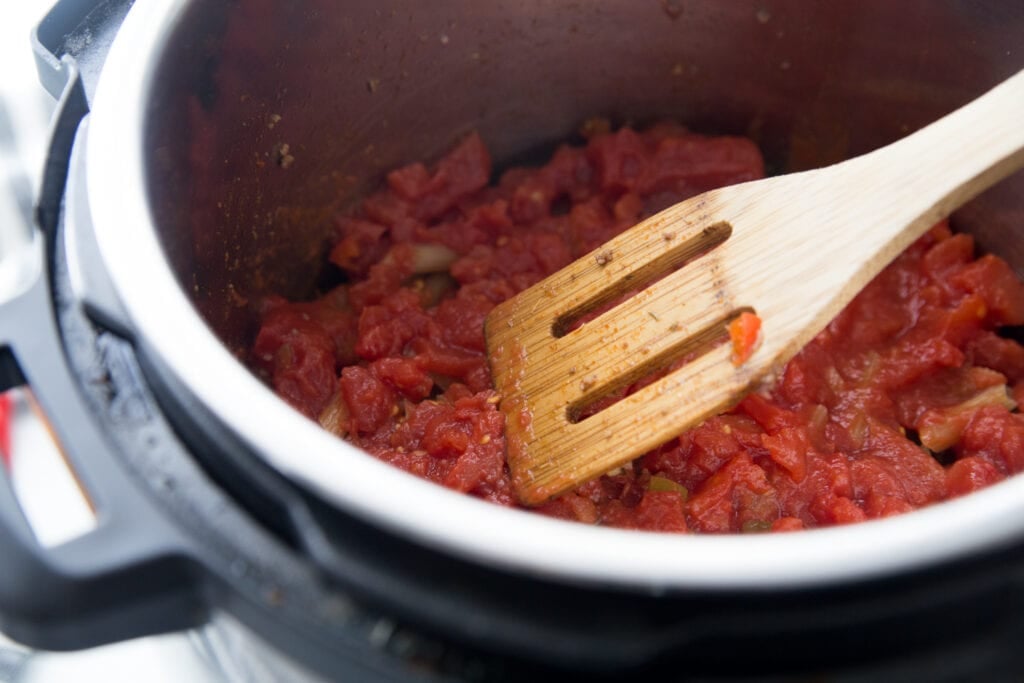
pixel 81 31
pixel 131 574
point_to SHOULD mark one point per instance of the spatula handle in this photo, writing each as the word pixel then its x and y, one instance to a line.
pixel 953 160
pixel 837 228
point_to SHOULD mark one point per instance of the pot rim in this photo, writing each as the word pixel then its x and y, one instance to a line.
pixel 424 512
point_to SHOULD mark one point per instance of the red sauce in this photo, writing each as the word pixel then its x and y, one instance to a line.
pixel 906 399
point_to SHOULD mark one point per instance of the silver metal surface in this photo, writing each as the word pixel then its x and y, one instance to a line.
pixel 362 87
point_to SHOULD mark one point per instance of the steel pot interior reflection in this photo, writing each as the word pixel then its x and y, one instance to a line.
pixel 224 136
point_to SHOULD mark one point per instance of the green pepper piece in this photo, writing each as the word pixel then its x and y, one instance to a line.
pixel 756 526
pixel 665 484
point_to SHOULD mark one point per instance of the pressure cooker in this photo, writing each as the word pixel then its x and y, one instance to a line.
pixel 197 155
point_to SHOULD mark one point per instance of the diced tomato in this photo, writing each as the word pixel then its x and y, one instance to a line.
pixel 744 332
pixel 1006 356
pixel 728 496
pixel 620 160
pixel 701 163
pixel 789 449
pixel 370 401
pixel 360 244
pixel 787 524
pixel 657 511
pixel 299 357
pixel 995 282
pixel 948 256
pixel 404 375
pixel 571 506
pixel 394 358
pixel 971 474
pixel 997 435
pixel 464 170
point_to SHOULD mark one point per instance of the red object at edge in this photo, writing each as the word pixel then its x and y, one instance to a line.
pixel 5 428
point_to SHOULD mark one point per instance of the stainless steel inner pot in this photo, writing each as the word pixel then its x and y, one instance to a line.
pixel 224 135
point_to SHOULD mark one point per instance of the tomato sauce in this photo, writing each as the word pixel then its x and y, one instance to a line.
pixel 907 398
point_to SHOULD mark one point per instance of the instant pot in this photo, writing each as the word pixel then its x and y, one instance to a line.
pixel 198 153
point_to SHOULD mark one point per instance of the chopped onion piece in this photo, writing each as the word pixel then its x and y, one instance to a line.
pixel 940 428
pixel 334 417
pixel 432 258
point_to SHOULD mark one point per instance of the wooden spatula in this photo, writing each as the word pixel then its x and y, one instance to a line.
pixel 792 249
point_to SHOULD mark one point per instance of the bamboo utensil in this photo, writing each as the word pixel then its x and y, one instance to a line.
pixel 793 250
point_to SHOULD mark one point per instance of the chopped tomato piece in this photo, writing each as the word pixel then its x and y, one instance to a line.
pixel 744 332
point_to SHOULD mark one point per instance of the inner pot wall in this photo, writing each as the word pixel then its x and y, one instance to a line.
pixel 269 116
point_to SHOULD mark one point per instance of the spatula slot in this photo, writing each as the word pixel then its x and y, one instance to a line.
pixel 688 348
pixel 621 282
